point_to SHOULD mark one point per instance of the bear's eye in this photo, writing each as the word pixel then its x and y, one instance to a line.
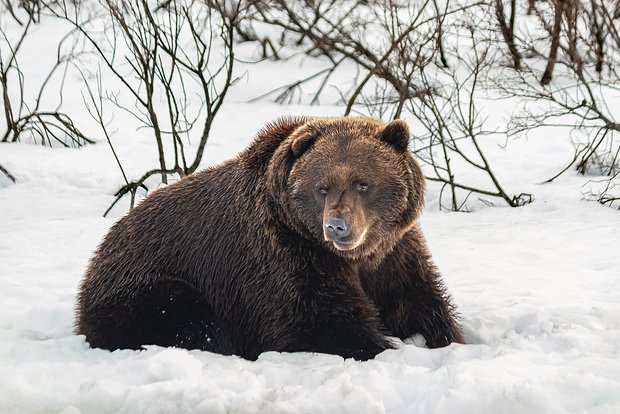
pixel 323 191
pixel 361 186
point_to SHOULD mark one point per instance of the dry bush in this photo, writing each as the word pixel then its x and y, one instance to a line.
pixel 34 119
pixel 156 50
pixel 567 80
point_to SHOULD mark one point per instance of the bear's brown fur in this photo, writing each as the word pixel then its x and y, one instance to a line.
pixel 306 241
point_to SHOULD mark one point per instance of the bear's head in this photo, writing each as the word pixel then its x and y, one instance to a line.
pixel 348 183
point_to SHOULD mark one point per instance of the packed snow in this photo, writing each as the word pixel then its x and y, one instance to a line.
pixel 537 288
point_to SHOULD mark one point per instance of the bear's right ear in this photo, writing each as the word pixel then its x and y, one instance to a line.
pixel 396 133
pixel 302 142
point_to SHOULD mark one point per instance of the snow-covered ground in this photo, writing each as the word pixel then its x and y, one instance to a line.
pixel 538 289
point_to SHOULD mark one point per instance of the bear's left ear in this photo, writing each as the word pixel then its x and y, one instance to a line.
pixel 302 143
pixel 396 133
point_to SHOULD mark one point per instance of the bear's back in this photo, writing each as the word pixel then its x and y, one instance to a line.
pixel 194 230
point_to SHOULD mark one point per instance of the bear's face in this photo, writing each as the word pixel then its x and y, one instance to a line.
pixel 352 186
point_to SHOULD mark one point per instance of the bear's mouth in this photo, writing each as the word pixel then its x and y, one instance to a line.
pixel 340 245
pixel 347 244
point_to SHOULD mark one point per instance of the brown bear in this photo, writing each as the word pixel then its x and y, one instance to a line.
pixel 306 241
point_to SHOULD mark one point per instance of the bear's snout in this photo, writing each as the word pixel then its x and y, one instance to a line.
pixel 344 233
pixel 336 229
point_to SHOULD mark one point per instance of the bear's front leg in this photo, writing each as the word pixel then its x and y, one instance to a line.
pixel 410 295
pixel 339 319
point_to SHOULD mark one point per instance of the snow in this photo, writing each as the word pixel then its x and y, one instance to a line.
pixel 538 289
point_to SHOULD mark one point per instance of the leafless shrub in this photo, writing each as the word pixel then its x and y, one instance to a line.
pixel 506 25
pixel 340 33
pixel 44 126
pixel 454 128
pixel 31 7
pixel 156 51
pixel 606 192
pixel 580 74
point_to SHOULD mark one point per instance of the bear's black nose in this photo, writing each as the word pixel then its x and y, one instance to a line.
pixel 337 228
